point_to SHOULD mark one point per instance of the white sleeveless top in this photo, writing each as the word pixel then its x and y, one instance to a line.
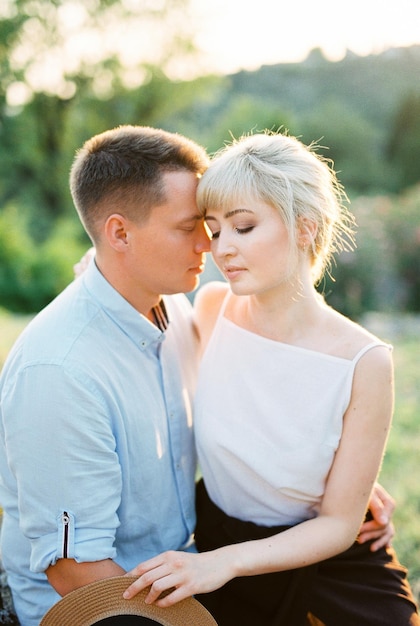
pixel 268 421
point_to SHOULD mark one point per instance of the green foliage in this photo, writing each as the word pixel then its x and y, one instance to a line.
pixel 11 327
pixel 364 109
pixel 31 274
pixel 64 91
pixel 352 104
pixel 16 251
pixel 243 115
pixel 404 143
pixel 352 143
pixel 382 274
pixel 400 467
pixel 35 161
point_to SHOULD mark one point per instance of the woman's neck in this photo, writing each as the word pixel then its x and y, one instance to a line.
pixel 289 318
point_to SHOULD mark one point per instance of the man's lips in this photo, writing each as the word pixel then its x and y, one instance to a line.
pixel 198 269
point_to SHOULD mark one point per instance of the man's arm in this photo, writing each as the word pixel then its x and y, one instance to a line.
pixel 63 441
pixel 67 575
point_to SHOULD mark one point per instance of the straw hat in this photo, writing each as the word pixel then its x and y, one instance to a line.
pixel 103 599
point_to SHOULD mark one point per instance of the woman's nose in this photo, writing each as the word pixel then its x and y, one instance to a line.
pixel 223 245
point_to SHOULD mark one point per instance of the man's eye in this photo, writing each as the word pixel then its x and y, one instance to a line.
pixel 189 228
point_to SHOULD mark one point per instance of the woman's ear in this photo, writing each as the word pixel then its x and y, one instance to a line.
pixel 116 232
pixel 306 232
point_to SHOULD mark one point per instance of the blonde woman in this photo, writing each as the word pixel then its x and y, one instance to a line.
pixel 293 406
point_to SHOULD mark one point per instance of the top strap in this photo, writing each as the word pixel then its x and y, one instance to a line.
pixel 368 347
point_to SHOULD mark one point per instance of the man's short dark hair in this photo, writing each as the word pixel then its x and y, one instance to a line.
pixel 120 170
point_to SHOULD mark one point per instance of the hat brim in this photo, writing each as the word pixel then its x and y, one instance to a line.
pixel 94 602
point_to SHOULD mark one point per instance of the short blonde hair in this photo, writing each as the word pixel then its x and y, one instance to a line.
pixel 290 176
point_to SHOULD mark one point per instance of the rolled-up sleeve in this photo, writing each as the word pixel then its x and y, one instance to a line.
pixel 68 504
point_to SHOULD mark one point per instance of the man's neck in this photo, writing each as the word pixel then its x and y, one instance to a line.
pixel 144 302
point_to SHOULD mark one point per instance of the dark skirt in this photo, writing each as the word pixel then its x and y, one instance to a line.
pixel 363 588
pixel 278 599
pixel 356 588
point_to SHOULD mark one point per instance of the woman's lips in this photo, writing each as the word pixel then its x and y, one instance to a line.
pixel 232 272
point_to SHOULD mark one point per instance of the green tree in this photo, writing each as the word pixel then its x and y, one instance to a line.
pixel 351 143
pixel 245 114
pixel 383 273
pixel 32 274
pixel 44 76
pixel 403 231
pixel 404 143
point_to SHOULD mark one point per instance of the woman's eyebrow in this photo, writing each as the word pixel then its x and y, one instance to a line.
pixel 229 214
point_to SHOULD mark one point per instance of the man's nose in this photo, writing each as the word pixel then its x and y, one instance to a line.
pixel 203 240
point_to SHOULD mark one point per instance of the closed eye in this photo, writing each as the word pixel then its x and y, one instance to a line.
pixel 243 231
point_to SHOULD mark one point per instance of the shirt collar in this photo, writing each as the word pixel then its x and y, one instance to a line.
pixel 132 323
pixel 160 315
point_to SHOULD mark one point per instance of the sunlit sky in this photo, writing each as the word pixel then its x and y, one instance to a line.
pixel 239 34
pixel 231 35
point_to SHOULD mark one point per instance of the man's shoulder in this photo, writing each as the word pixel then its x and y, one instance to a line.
pixel 55 328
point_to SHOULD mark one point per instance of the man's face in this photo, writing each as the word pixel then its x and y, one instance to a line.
pixel 168 251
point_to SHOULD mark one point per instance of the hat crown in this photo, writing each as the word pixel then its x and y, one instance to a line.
pixel 97 603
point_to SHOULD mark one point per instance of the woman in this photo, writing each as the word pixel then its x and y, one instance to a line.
pixel 294 401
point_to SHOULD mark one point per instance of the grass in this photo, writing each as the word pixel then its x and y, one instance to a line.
pixel 400 468
pixel 399 472
pixel 10 327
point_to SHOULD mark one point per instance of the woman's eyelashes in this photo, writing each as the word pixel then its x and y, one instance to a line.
pixel 243 231
pixel 239 231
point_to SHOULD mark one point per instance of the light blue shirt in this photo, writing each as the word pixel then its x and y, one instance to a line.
pixel 96 445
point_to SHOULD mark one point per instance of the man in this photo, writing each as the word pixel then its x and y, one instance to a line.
pixel 97 469
pixel 97 459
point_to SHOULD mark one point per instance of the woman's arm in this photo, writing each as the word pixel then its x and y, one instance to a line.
pixel 352 476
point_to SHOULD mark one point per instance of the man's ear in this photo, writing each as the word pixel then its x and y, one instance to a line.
pixel 116 232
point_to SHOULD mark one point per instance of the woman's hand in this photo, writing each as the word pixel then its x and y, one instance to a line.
pixel 381 528
pixel 81 266
pixel 180 575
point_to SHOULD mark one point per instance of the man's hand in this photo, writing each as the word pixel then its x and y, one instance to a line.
pixel 381 528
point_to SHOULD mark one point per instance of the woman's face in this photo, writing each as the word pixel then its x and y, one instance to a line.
pixel 251 246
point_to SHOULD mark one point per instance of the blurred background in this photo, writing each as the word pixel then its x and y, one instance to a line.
pixel 345 74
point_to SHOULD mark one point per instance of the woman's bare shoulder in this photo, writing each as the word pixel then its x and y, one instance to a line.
pixel 211 294
pixel 207 305
pixel 347 337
